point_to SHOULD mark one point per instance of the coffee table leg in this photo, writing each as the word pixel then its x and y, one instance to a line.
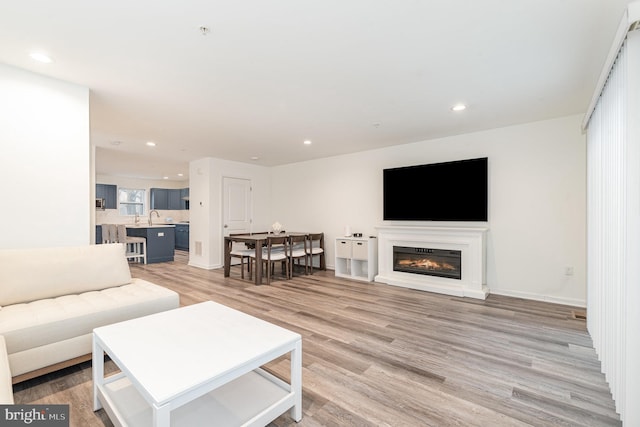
pixel 97 367
pixel 296 381
pixel 161 416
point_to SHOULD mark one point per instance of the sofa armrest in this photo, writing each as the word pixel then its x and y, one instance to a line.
pixel 6 388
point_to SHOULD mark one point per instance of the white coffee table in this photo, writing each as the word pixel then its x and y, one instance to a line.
pixel 196 365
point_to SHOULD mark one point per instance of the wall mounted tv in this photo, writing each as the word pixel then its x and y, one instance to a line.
pixel 451 191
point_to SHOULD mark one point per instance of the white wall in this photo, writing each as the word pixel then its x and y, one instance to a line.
pixel 45 166
pixel 536 201
pixel 205 196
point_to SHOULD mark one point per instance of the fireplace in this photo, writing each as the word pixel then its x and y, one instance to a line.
pixel 445 259
pixel 429 261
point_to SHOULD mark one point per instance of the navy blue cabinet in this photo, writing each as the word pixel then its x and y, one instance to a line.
pixel 168 198
pixel 174 200
pixel 109 193
pixel 160 198
pixel 182 237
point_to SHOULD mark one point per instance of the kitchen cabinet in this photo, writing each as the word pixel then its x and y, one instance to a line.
pixel 168 199
pixel 356 258
pixel 161 241
pixel 182 237
pixel 160 198
pixel 98 234
pixel 109 193
pixel 175 204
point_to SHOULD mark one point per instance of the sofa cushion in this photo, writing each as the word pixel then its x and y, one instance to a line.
pixel 33 274
pixel 47 321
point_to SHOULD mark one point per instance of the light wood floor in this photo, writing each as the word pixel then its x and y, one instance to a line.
pixel 376 355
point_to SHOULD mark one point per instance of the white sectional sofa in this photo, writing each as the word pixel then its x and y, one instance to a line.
pixel 6 390
pixel 51 299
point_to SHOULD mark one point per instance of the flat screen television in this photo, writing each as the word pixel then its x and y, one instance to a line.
pixel 450 191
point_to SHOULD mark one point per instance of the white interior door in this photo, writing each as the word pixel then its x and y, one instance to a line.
pixel 236 201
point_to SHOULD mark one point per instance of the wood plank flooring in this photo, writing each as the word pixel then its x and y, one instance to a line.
pixel 378 355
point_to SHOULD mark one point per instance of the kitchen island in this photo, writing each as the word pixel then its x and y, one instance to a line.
pixel 161 240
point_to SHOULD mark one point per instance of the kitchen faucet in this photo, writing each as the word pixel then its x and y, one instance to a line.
pixel 150 212
pixel 136 220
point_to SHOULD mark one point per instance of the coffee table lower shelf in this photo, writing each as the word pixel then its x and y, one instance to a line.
pixel 254 399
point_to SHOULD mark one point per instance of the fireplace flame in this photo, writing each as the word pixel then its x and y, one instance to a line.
pixel 426 263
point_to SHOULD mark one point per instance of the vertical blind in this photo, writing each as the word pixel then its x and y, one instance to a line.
pixel 613 228
pixel 606 235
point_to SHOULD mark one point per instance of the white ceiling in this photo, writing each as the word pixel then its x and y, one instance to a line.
pixel 349 75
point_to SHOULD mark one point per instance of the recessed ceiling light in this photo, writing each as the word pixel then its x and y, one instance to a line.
pixel 307 142
pixel 151 143
pixel 255 158
pixel 180 174
pixel 116 142
pixel 165 177
pixel 459 107
pixel 41 57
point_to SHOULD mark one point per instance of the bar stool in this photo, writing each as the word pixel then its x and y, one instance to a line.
pixel 109 233
pixel 136 247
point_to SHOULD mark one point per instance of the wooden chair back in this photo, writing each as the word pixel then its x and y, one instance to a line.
pixel 316 247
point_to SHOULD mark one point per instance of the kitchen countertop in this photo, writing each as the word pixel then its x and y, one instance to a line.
pixel 155 225
pixel 150 226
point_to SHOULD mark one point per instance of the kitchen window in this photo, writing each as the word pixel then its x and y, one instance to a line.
pixel 131 201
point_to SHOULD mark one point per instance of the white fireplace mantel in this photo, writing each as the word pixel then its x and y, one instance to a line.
pixel 471 241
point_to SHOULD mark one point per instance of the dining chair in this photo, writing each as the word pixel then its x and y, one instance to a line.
pixel 277 249
pixel 243 253
pixel 316 248
pixel 298 244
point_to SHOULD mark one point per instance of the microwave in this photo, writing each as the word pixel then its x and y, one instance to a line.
pixel 100 204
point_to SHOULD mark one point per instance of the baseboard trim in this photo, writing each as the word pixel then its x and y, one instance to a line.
pixel 204 266
pixel 537 297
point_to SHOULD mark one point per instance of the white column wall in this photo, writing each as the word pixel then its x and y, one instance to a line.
pixel 201 218
pixel 205 206
pixel 45 165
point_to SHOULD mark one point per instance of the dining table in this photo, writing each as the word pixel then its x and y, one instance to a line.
pixel 256 240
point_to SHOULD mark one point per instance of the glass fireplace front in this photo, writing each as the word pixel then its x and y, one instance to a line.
pixel 433 262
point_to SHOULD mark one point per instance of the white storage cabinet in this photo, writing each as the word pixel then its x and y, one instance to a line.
pixel 357 258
